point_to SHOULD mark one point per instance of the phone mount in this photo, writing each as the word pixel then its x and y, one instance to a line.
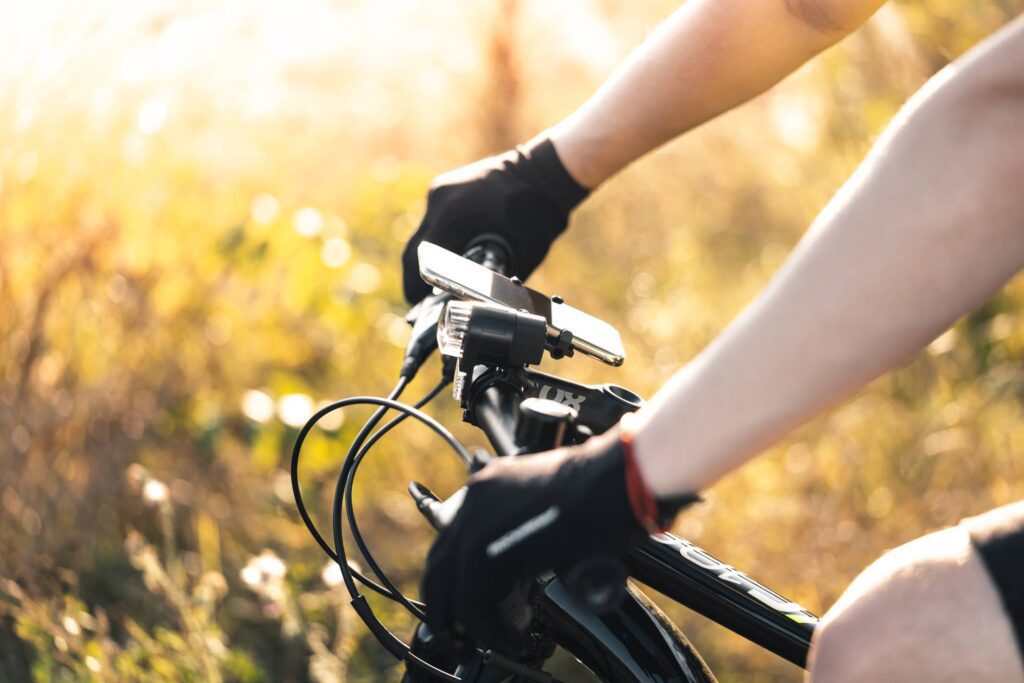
pixel 566 329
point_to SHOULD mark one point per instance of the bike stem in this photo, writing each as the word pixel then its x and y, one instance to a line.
pixel 669 564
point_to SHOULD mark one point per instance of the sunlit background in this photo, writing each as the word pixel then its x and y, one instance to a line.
pixel 202 206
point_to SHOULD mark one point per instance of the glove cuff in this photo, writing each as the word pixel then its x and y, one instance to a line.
pixel 654 514
pixel 551 176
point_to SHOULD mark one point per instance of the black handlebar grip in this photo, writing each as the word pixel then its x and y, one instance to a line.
pixel 492 252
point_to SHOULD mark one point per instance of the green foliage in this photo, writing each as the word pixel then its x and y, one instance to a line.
pixel 200 222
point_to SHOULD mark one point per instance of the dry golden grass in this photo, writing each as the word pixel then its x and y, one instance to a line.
pixel 201 210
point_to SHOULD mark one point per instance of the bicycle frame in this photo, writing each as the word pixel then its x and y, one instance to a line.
pixel 636 641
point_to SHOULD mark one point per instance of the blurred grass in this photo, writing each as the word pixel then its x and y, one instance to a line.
pixel 201 210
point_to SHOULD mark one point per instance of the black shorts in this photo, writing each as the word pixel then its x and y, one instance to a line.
pixel 998 536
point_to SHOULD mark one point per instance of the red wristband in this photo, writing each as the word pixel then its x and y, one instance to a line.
pixel 641 500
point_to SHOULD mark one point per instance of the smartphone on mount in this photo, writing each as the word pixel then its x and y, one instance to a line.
pixel 470 281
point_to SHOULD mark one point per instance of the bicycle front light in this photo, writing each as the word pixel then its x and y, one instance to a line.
pixel 452 326
pixel 487 334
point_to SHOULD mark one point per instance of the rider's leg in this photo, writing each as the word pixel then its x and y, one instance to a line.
pixel 929 611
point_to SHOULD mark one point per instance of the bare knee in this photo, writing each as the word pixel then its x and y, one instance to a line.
pixel 924 611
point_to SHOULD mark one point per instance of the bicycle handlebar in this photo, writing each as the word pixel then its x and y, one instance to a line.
pixel 495 411
pixel 497 400
pixel 493 405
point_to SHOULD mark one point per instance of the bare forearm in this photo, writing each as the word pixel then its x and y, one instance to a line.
pixel 709 57
pixel 927 230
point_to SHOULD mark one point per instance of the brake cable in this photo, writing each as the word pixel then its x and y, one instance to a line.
pixel 387 639
pixel 297 492
pixel 490 657
pixel 414 607
pixel 388 590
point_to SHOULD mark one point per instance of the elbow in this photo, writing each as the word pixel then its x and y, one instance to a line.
pixel 832 18
pixel 988 80
pixel 981 99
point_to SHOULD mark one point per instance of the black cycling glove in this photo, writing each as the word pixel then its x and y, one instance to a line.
pixel 524 196
pixel 527 514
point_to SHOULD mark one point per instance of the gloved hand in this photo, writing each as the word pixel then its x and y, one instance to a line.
pixel 527 514
pixel 524 196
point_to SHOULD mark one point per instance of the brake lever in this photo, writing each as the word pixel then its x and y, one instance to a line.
pixel 438 513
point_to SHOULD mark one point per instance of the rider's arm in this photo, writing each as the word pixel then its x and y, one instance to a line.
pixel 926 230
pixel 708 57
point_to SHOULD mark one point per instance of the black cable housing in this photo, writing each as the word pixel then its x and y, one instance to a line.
pixel 391 642
pixel 400 386
pixel 415 607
